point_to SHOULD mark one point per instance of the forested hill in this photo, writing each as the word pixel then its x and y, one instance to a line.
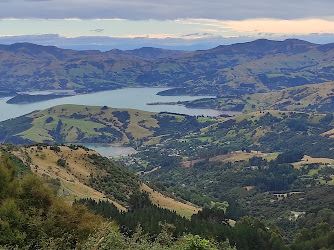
pixel 261 65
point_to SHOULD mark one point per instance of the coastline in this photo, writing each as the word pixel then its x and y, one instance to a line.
pixel 222 112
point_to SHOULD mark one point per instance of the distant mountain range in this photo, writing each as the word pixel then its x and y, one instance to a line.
pixel 245 68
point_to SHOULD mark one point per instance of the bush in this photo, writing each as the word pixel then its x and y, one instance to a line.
pixel 61 162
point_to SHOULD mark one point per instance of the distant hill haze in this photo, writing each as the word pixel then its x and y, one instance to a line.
pixel 258 66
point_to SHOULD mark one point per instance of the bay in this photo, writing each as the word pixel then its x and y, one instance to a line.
pixel 110 150
pixel 129 98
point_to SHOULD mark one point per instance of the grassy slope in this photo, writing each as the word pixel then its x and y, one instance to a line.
pixel 311 97
pixel 308 97
pixel 253 135
pixel 279 131
pixel 93 124
pixel 74 178
pixel 314 173
pixel 186 210
pixel 93 119
pixel 236 156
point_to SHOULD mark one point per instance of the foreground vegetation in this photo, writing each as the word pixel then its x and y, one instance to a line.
pixel 32 217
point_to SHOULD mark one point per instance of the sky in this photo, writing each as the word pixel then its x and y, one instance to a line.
pixel 173 24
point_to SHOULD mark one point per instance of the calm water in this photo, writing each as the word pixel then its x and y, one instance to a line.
pixel 134 98
pixel 111 150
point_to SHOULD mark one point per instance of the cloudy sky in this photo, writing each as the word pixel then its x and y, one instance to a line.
pixel 179 24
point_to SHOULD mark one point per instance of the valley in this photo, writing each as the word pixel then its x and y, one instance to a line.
pixel 246 157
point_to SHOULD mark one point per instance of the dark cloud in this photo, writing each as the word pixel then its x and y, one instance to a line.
pixel 108 43
pixel 172 9
pixel 192 34
pixel 207 34
pixel 97 30
pixel 198 35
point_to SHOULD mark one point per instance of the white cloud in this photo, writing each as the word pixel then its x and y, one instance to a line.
pixel 301 26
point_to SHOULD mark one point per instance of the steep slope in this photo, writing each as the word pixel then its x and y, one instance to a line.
pixel 78 172
pixel 33 217
pixel 73 169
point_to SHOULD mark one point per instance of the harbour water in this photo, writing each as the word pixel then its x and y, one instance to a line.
pixel 133 98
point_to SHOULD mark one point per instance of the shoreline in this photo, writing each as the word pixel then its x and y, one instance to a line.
pixel 222 112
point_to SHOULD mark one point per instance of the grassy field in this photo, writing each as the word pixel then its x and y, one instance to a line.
pixel 243 156
pixel 186 210
pixel 204 138
pixel 308 160
pixel 85 123
pixel 314 173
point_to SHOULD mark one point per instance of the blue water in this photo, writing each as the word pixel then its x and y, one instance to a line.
pixel 110 150
pixel 134 98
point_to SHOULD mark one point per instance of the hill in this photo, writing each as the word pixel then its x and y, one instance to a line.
pixel 79 173
pixel 89 124
pixel 33 217
pixel 25 98
pixel 275 165
pixel 71 123
pixel 74 170
pixel 306 98
pixel 237 69
pixel 267 131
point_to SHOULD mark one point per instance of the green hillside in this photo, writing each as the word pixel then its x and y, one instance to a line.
pixel 238 69
pixel 70 123
pixel 306 98
pixel 88 124
pixel 263 179
pixel 268 131
pixel 274 165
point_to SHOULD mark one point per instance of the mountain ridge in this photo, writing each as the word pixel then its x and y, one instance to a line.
pixel 243 68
